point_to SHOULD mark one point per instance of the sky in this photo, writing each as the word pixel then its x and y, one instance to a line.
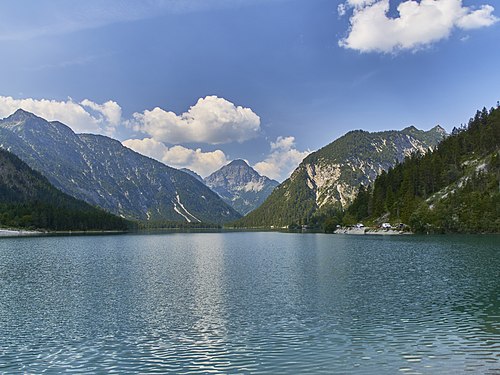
pixel 198 83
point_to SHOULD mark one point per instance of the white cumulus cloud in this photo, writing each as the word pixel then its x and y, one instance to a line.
pixel 211 120
pixel 84 117
pixel 203 163
pixel 282 160
pixel 419 24
pixel 111 111
pixel 480 18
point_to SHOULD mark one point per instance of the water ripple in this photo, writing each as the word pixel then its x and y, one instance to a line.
pixel 249 303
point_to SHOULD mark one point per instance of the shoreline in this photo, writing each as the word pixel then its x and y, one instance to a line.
pixel 371 232
pixel 32 233
pixel 13 233
pixel 19 233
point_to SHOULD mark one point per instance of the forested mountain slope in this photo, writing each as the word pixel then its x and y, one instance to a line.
pixel 28 200
pixel 456 188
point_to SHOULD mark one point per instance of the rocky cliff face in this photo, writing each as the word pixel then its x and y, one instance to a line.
pixel 102 172
pixel 335 172
pixel 331 176
pixel 241 186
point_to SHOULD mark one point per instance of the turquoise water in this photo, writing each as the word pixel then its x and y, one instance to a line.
pixel 250 303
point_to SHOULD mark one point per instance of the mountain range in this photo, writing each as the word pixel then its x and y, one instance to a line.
pixel 331 177
pixel 55 179
pixel 104 173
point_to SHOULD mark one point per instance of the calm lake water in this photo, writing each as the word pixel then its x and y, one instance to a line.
pixel 250 303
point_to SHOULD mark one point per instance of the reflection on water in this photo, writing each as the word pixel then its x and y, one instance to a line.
pixel 250 303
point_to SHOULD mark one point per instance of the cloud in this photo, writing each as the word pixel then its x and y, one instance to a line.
pixel 282 160
pixel 108 113
pixel 84 117
pixel 211 120
pixel 482 17
pixel 203 163
pixel 418 25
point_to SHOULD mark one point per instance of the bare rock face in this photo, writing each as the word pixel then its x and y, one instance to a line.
pixel 335 178
pixel 241 186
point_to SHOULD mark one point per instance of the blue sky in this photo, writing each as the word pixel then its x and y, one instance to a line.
pixel 268 80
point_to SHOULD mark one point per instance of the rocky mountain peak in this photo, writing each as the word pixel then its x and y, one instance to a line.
pixel 238 163
pixel 240 185
pixel 235 172
pixel 410 129
pixel 439 129
pixel 21 115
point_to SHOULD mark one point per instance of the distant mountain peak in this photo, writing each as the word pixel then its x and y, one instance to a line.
pixel 21 115
pixel 439 129
pixel 241 186
pixel 411 128
pixel 21 111
pixel 238 163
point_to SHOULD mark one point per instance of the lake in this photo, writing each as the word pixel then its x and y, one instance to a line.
pixel 250 302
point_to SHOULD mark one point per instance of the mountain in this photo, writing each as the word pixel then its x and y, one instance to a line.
pixel 455 188
pixel 28 200
pixel 104 173
pixel 241 186
pixel 330 177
